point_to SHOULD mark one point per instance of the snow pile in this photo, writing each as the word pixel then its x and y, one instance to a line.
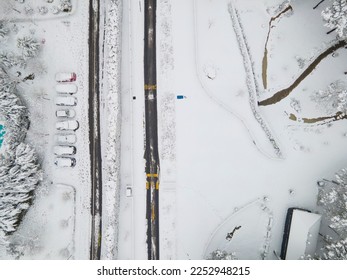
pixel 111 188
pixel 335 17
pixel 166 48
pixel 166 99
pixel 168 127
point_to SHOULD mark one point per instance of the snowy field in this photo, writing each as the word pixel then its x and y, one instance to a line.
pixel 219 169
pixel 57 226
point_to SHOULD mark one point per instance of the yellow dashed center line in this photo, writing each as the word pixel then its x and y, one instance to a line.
pixel 150 87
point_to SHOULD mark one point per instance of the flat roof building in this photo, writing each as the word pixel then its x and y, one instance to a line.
pixel 300 234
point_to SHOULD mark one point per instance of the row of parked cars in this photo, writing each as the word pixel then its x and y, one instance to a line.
pixel 66 124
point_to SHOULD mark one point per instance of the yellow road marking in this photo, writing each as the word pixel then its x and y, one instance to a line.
pixel 157 185
pixel 147 186
pixel 152 175
pixel 150 87
pixel 99 240
pixel 153 214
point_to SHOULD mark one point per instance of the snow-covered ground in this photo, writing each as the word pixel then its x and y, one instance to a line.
pixel 219 169
pixel 57 226
pixel 230 168
pixel 219 166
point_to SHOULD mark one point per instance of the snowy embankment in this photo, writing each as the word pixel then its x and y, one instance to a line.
pixel 251 81
pixel 167 130
pixel 111 129
pixel 215 79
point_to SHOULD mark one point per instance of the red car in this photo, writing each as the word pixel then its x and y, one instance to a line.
pixel 63 77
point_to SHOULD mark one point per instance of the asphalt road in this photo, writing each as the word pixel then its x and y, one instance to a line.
pixel 94 131
pixel 151 139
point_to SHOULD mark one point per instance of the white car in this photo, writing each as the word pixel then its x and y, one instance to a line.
pixel 65 77
pixel 129 191
pixel 65 162
pixel 66 88
pixel 66 101
pixel 66 139
pixel 65 113
pixel 64 150
pixel 67 125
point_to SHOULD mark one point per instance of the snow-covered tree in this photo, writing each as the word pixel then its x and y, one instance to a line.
pixel 333 199
pixel 9 59
pixel 4 30
pixel 19 176
pixel 20 171
pixel 65 6
pixel 221 255
pixel 29 46
pixel 335 251
pixel 333 99
pixel 335 17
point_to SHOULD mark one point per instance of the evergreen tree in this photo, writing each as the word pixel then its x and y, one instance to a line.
pixel 335 17
pixel 29 46
pixel 335 251
pixel 222 255
pixel 19 177
pixel 333 199
pixel 333 99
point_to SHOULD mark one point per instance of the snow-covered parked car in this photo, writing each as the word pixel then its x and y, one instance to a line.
pixel 67 125
pixel 66 101
pixel 62 77
pixel 65 162
pixel 64 186
pixel 65 113
pixel 66 88
pixel 64 150
pixel 66 138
